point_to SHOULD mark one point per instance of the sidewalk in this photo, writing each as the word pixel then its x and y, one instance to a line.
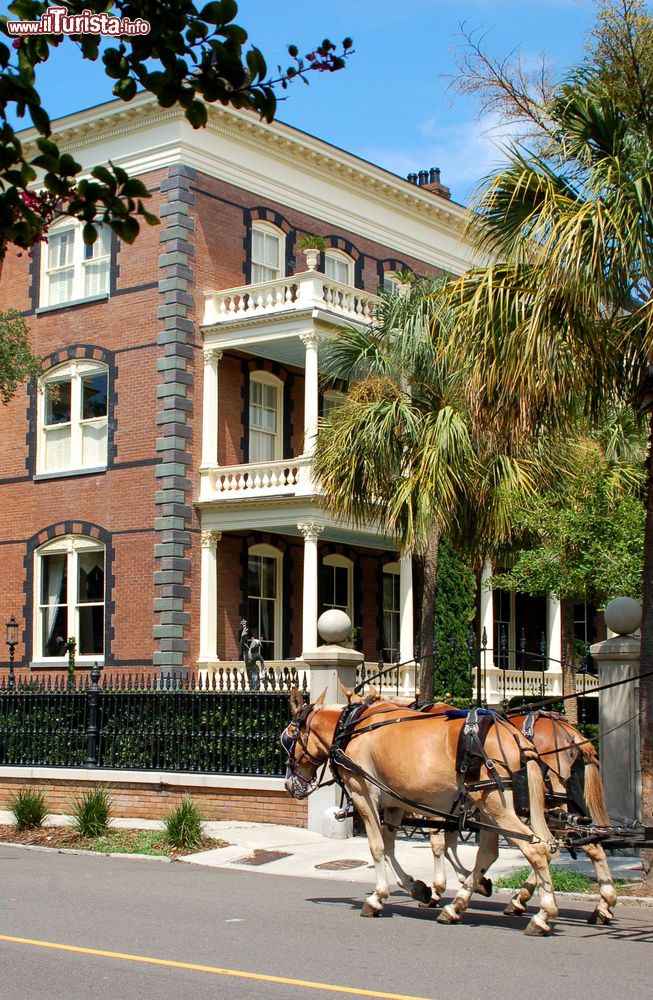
pixel 288 850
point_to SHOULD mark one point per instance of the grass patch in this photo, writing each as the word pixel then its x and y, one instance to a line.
pixel 563 879
pixel 113 841
pixel 29 808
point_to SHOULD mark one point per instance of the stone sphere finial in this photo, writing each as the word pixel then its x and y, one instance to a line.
pixel 334 625
pixel 623 615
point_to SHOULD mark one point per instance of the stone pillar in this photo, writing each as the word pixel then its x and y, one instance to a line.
pixel 618 660
pixel 310 341
pixel 209 598
pixel 311 533
pixel 406 623
pixel 330 665
pixel 210 408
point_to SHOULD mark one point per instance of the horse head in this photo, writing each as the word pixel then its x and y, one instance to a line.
pixel 306 741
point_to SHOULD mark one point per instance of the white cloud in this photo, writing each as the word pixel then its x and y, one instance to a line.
pixel 466 151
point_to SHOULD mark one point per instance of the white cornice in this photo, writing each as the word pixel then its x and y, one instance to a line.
pixel 423 225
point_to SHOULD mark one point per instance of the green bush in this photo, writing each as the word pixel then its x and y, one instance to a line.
pixel 92 812
pixel 183 826
pixel 455 607
pixel 29 808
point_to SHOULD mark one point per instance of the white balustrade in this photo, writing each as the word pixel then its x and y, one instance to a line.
pixel 310 289
pixel 256 479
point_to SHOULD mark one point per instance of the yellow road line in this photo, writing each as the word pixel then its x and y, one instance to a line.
pixel 214 970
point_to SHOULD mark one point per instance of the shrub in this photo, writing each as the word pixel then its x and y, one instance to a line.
pixel 29 808
pixel 92 812
pixel 183 825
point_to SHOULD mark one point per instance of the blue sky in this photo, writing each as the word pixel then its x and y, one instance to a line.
pixel 392 104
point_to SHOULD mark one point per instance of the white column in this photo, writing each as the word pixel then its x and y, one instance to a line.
pixel 487 606
pixel 310 341
pixel 406 624
pixel 210 408
pixel 209 597
pixel 311 533
pixel 554 634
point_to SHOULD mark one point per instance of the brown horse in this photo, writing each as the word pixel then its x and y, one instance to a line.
pixel 397 757
pixel 573 769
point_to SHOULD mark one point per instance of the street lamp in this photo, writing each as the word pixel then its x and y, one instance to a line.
pixel 12 642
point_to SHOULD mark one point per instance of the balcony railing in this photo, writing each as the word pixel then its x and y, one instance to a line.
pixel 308 290
pixel 289 477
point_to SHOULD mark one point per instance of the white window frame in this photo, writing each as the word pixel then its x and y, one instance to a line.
pixel 333 258
pixel 392 569
pixel 73 371
pixel 270 552
pixel 71 546
pixel 342 562
pixel 78 264
pixel 266 379
pixel 332 400
pixel 260 268
pixel 393 284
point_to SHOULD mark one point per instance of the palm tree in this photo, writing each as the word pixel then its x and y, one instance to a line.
pixel 563 319
pixel 401 451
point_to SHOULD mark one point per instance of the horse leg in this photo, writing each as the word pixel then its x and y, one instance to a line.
pixel 517 905
pixel 414 887
pixel 487 854
pixel 603 913
pixel 537 855
pixel 438 847
pixel 369 813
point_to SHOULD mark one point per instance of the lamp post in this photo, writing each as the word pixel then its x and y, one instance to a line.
pixel 12 642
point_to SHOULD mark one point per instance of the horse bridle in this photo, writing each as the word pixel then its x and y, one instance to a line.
pixel 301 727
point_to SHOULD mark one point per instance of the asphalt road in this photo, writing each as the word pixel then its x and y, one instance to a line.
pixel 308 933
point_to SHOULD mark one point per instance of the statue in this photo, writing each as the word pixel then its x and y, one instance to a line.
pixel 250 648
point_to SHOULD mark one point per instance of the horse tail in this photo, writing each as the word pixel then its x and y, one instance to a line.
pixel 536 790
pixel 595 794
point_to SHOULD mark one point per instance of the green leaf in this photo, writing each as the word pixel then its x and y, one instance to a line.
pixel 89 233
pixel 39 118
pixel 196 114
pixel 126 229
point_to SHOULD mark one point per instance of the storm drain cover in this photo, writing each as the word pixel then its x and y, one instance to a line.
pixel 340 865
pixel 260 857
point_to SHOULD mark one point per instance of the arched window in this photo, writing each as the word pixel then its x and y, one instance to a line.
pixel 339 266
pixel 265 417
pixel 337 584
pixel 69 598
pixel 72 269
pixel 73 408
pixel 391 612
pixel 268 245
pixel 264 598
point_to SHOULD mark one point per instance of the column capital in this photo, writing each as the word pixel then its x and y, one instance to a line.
pixel 310 340
pixel 310 531
pixel 212 356
pixel 210 539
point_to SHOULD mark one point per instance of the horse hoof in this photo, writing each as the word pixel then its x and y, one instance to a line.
pixel 536 930
pixel 421 892
pixel 484 887
pixel 448 916
pixel 599 918
pixel 512 910
pixel 369 911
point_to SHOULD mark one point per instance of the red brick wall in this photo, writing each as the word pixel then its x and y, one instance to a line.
pixel 143 801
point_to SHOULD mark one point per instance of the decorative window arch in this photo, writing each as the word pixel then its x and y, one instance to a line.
pixel 339 266
pixel 265 597
pixel 69 598
pixel 72 270
pixel 265 417
pixel 391 611
pixel 267 252
pixel 72 409
pixel 338 584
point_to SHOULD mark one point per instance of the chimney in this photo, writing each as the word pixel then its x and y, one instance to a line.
pixel 430 181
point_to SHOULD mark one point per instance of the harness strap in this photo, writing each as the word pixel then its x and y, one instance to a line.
pixel 340 759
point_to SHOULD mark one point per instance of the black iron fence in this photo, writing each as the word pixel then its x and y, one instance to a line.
pixel 145 722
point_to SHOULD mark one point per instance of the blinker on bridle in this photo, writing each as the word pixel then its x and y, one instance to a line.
pixel 289 741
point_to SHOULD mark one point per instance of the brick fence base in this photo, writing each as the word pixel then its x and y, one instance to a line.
pixel 149 795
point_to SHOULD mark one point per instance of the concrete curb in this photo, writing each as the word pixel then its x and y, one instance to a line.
pixel 85 853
